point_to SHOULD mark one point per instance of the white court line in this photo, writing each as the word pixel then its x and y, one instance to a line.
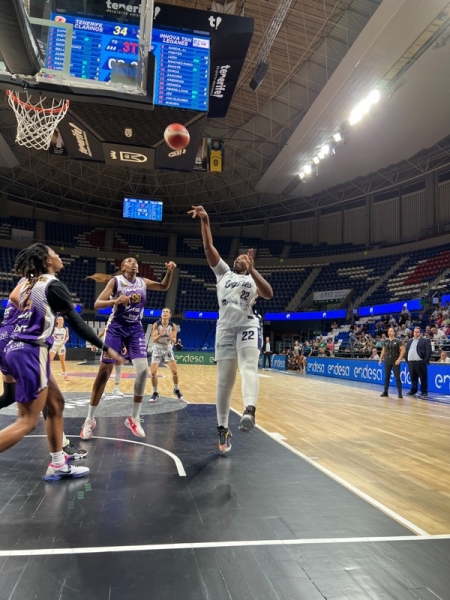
pixel 220 544
pixel 346 484
pixel 174 457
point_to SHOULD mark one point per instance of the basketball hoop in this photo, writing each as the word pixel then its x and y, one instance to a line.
pixel 37 118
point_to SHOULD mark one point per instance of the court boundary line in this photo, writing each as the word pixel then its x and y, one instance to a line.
pixel 218 544
pixel 420 532
pixel 174 457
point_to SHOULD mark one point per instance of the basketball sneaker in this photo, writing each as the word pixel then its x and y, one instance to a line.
pixel 73 452
pixel 88 429
pixel 248 419
pixel 154 397
pixel 135 427
pixel 224 439
pixel 117 392
pixel 65 471
pixel 178 394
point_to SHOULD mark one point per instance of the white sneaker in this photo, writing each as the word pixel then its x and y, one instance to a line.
pixel 65 471
pixel 135 427
pixel 117 392
pixel 88 429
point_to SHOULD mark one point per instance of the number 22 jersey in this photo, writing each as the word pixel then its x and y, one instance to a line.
pixel 236 294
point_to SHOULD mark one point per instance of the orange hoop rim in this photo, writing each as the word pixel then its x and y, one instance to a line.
pixel 31 107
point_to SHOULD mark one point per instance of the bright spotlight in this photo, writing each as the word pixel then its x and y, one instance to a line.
pixel 301 175
pixel 325 149
pixel 307 169
pixel 316 160
pixel 321 155
pixel 337 137
pixel 355 117
pixel 374 96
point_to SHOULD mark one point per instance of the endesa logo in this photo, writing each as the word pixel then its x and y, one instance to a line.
pixel 369 373
pixel 442 383
pixel 339 370
pixel 315 367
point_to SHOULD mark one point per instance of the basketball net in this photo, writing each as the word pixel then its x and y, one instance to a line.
pixel 37 119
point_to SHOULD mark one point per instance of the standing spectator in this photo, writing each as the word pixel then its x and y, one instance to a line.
pixel 418 354
pixel 393 352
pixel 267 354
pixel 179 345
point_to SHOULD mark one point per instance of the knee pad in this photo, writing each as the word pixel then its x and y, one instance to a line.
pixel 141 368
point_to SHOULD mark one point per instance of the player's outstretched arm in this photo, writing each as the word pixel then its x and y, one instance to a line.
pixel 164 285
pixel 212 255
pixel 263 286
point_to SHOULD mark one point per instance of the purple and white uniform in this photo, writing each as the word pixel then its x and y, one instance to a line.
pixel 6 329
pixel 124 327
pixel 26 356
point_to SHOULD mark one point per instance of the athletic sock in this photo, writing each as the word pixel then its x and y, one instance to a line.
pixel 57 458
pixel 175 385
pixel 91 412
pixel 136 410
pixel 155 389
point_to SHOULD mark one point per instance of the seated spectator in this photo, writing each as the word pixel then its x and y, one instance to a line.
pixel 438 335
pixel 374 355
pixel 179 345
pixel 444 358
pixel 330 347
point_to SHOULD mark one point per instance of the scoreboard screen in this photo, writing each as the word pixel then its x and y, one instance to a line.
pixel 182 58
pixel 145 210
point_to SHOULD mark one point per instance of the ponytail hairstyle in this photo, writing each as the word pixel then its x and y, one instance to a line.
pixel 103 278
pixel 31 262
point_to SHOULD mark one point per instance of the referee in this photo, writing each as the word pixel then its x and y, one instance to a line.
pixel 393 352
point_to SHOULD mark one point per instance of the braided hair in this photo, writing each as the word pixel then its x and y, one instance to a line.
pixel 31 262
pixel 103 278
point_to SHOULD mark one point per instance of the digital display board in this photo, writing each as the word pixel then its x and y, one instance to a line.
pixel 194 314
pixel 306 316
pixel 144 210
pixel 182 59
pixel 148 312
pixel 391 308
pixel 182 69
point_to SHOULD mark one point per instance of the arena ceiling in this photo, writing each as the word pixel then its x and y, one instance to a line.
pixel 327 56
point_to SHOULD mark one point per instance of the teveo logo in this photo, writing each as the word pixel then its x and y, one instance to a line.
pixel 121 7
pixel 218 87
pixel 315 367
pixel 82 140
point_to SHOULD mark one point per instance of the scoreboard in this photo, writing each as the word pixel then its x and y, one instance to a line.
pixel 182 58
pixel 145 210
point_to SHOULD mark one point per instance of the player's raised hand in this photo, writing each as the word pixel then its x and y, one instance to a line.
pixel 198 211
pixel 170 266
pixel 251 260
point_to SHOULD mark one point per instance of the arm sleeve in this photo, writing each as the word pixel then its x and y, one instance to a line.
pixel 220 269
pixel 59 300
pixel 83 330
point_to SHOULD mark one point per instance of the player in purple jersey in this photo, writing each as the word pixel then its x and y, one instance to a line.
pixel 6 328
pixel 126 294
pixel 26 356
pixel 238 330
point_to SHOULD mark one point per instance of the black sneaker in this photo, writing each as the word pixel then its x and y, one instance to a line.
pixel 400 395
pixel 411 394
pixel 384 395
pixel 73 452
pixel 248 419
pixel 423 395
pixel 154 397
pixel 178 394
pixel 224 439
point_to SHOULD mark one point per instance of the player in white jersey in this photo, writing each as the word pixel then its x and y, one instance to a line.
pixel 238 333
pixel 60 337
pixel 164 336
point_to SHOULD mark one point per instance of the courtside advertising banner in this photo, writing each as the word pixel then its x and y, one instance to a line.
pixel 370 371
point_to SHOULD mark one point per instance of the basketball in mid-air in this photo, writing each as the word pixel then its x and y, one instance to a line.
pixel 176 136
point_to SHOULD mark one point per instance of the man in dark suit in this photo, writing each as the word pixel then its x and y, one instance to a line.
pixel 418 354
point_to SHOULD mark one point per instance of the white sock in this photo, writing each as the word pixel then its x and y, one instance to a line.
pixel 175 386
pixel 155 389
pixel 136 410
pixel 57 458
pixel 226 376
pixel 91 412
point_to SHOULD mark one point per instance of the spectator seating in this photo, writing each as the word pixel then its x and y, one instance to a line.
pixel 7 279
pixel 197 335
pixel 140 244
pixel 196 289
pixel 307 250
pixel 192 247
pixel 263 248
pixel 76 269
pixel 74 236
pixel 17 222
pixel 285 283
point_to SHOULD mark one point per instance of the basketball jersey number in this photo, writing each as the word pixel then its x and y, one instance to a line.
pixel 245 295
pixel 248 335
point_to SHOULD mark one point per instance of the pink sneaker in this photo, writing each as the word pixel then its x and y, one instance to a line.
pixel 135 427
pixel 88 429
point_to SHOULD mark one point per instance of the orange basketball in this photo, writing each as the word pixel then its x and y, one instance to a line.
pixel 176 136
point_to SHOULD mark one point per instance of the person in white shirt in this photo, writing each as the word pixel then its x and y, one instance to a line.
pixel 444 358
pixel 267 354
pixel 374 355
pixel 238 332
pixel 60 337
